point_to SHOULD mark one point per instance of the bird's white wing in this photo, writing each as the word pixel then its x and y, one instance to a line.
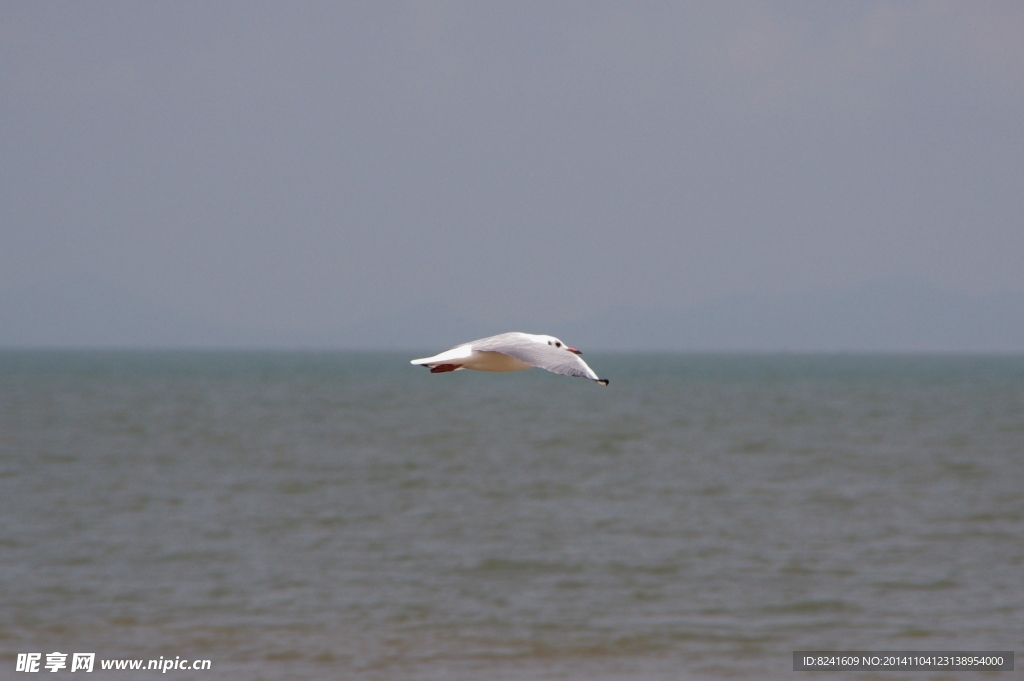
pixel 465 350
pixel 541 355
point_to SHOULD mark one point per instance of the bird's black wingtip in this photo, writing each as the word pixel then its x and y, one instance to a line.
pixel 603 381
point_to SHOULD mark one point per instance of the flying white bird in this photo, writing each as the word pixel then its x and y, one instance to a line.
pixel 512 352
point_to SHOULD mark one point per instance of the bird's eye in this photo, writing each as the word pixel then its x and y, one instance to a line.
pixel 558 345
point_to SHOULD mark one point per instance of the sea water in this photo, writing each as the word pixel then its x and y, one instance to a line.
pixel 350 516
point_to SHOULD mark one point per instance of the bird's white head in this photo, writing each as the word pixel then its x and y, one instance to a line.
pixel 556 343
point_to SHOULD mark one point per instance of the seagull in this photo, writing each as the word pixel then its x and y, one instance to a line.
pixel 512 352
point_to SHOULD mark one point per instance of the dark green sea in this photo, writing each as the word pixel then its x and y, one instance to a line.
pixel 349 516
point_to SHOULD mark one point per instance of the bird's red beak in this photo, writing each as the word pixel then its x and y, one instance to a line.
pixel 573 350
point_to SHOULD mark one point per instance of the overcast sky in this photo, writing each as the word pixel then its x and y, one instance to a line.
pixel 310 166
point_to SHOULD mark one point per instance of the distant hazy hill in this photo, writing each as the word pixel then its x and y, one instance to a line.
pixel 894 316
pixel 89 313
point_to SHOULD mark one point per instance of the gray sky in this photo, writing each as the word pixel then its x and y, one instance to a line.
pixel 305 168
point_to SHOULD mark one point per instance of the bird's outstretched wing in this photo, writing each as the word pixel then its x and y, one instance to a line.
pixel 543 356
